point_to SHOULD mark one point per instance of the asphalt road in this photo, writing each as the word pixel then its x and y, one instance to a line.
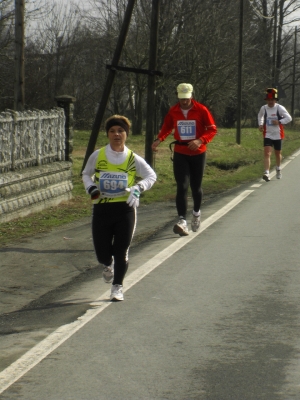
pixel 212 316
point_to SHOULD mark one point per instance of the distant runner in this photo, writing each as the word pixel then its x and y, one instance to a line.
pixel 271 117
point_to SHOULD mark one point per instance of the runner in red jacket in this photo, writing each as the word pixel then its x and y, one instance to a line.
pixel 193 128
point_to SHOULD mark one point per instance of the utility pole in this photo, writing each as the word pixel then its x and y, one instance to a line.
pixel 240 67
pixel 294 78
pixel 19 94
pixel 151 103
pixel 109 82
pixel 274 69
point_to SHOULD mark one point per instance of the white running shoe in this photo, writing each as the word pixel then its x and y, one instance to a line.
pixel 266 177
pixel 181 228
pixel 108 273
pixel 116 293
pixel 278 174
pixel 195 223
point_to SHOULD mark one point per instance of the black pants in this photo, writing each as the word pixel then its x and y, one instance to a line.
pixel 113 226
pixel 188 171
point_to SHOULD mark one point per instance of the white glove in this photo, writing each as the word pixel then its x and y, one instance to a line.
pixel 134 197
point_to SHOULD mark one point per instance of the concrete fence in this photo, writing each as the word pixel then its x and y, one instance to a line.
pixel 35 159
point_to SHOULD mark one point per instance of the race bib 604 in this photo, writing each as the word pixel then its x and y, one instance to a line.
pixel 269 121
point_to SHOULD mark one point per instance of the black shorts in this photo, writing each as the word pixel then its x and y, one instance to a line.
pixel 273 143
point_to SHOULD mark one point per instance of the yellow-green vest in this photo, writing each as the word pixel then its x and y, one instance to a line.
pixel 112 179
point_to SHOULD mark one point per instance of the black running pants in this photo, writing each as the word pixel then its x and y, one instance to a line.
pixel 113 226
pixel 188 171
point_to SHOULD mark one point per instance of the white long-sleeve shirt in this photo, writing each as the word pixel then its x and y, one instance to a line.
pixel 273 132
pixel 143 170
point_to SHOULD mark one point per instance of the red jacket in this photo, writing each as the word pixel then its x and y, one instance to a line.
pixel 198 124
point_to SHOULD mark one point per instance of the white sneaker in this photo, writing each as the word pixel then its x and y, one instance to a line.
pixel 181 228
pixel 266 177
pixel 117 293
pixel 108 273
pixel 278 174
pixel 195 223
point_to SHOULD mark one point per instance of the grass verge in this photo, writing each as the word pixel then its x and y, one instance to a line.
pixel 228 165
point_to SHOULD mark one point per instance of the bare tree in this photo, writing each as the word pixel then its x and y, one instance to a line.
pixel 50 54
pixel 68 48
pixel 6 54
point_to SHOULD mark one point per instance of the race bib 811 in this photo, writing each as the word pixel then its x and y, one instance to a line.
pixel 187 129
pixel 270 119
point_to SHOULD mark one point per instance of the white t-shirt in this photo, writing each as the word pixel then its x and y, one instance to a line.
pixel 273 131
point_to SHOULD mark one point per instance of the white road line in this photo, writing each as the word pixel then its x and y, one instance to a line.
pixel 296 154
pixel 30 359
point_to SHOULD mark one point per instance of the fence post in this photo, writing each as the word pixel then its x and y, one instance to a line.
pixel 67 103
